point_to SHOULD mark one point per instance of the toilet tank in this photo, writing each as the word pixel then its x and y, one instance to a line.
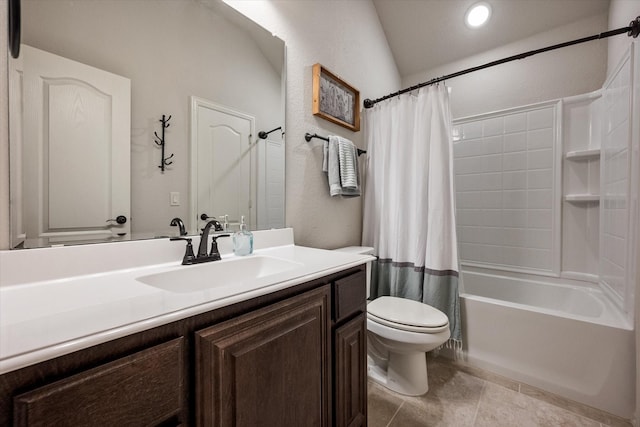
pixel 362 250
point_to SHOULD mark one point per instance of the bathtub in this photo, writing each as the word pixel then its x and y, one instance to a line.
pixel 567 339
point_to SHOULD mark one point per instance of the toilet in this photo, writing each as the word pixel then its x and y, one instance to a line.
pixel 399 333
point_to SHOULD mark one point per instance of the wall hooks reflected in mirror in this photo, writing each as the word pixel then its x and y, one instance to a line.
pixel 160 141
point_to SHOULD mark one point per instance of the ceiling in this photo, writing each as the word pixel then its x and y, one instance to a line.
pixel 424 34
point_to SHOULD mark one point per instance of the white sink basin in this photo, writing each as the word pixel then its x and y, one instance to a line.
pixel 216 274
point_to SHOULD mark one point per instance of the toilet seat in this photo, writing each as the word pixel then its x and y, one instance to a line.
pixel 407 315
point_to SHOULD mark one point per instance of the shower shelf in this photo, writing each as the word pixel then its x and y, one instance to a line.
pixel 583 154
pixel 582 198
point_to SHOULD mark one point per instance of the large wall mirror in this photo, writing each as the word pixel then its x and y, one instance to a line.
pixel 88 94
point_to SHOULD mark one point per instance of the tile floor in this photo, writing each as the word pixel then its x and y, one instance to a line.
pixel 460 395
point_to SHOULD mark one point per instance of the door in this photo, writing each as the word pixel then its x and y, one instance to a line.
pixel 75 147
pixel 222 180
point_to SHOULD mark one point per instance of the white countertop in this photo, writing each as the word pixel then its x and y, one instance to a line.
pixel 40 320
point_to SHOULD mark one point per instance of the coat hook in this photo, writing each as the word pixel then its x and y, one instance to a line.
pixel 160 141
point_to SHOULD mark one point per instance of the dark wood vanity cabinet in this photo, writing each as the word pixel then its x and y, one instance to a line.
pixel 145 388
pixel 270 367
pixel 295 357
pixel 350 351
pixel 351 373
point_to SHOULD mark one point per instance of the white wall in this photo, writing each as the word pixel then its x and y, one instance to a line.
pixel 621 12
pixel 556 74
pixel 345 37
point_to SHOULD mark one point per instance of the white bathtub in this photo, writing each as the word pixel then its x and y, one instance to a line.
pixel 569 340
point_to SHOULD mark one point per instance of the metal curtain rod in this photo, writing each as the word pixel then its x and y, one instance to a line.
pixel 308 137
pixel 632 31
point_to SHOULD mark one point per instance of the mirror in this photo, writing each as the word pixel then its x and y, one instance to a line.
pixel 85 154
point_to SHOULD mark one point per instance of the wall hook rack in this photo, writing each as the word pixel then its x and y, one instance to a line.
pixel 160 141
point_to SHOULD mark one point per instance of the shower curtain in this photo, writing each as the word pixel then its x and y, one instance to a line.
pixel 409 201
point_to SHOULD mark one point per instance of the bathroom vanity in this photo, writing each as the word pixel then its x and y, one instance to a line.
pixel 292 352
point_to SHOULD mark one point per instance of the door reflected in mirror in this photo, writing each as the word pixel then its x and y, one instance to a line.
pixel 66 174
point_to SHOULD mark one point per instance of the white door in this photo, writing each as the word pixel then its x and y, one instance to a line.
pixel 76 149
pixel 223 181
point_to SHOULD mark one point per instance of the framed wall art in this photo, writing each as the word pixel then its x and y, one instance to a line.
pixel 334 99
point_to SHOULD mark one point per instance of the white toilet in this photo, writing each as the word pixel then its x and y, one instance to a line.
pixel 400 332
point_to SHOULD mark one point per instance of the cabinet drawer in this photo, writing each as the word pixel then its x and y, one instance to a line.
pixel 144 388
pixel 349 295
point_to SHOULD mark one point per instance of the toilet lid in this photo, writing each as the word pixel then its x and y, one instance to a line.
pixel 407 312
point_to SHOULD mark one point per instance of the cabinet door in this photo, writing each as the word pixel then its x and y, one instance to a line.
pixel 267 368
pixel 351 373
pixel 145 388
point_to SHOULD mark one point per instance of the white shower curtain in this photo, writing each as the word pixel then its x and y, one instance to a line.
pixel 409 201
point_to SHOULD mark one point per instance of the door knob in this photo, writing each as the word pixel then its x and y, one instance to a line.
pixel 120 219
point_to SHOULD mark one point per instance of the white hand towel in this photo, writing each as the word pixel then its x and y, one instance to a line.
pixel 331 165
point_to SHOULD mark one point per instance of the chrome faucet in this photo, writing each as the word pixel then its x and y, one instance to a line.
pixel 203 255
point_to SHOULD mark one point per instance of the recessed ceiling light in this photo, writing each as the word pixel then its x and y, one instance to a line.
pixel 477 15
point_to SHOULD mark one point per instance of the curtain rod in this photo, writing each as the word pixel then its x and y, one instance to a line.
pixel 632 31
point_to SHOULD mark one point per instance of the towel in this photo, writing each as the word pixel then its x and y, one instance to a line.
pixel 348 158
pixel 341 165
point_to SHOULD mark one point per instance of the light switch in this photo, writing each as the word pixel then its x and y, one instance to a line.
pixel 175 198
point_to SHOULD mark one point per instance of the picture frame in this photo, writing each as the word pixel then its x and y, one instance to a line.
pixel 334 99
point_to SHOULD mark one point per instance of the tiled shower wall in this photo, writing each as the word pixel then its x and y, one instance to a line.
pixel 504 171
pixel 518 210
pixel 615 230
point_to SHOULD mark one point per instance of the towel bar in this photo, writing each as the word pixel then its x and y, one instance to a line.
pixel 309 137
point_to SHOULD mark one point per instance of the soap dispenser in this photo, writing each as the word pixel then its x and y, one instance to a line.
pixel 242 240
